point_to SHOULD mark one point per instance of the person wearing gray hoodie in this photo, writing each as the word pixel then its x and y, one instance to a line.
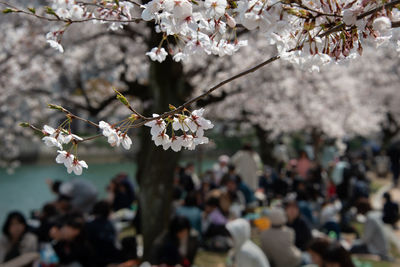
pixel 246 253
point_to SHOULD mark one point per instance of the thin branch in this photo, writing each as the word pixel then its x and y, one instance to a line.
pixel 73 116
pixel 379 8
pixel 363 15
pixel 209 91
pixel 90 138
pixel 69 21
pixel 319 13
pixel 33 127
pixel 395 24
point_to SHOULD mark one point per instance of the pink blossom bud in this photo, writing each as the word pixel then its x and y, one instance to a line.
pixel 230 21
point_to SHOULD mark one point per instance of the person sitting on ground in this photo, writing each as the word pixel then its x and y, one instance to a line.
pixel 336 256
pixel 245 252
pixel 70 243
pixel 236 198
pixel 205 187
pixel 266 181
pixel 295 221
pixel 317 249
pixel 277 242
pixel 212 214
pixel 220 168
pixel 215 235
pixel 373 240
pixel 82 193
pixel 303 164
pixel 242 188
pixel 48 218
pixel 188 178
pixel 191 211
pixel 121 192
pixel 174 247
pixel 280 186
pixel 390 211
pixel 102 235
pixel 329 217
pixel 248 163
pixel 18 247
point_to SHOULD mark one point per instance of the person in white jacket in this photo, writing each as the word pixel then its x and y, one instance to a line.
pixel 248 163
pixel 246 253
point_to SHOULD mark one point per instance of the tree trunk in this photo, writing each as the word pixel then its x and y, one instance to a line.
pixel 156 166
pixel 266 146
pixel 317 143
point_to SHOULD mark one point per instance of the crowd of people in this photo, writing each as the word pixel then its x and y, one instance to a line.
pixel 75 229
pixel 299 212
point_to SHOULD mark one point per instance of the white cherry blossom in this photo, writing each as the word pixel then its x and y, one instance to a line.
pixel 51 142
pixel 161 139
pixel 157 126
pixel 126 141
pixel 65 158
pixel 157 54
pixel 76 166
pixel 176 143
pixel 215 8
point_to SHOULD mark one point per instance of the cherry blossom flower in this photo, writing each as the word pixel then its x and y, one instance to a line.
pixel 151 9
pixel 65 158
pixel 176 143
pixel 187 140
pixel 179 8
pixel 215 8
pixel 198 139
pixel 350 17
pixel 157 126
pixel 68 138
pixel 113 136
pixel 161 139
pixel 51 141
pixel 126 141
pixel 76 12
pixel 178 57
pixel 48 130
pixel 382 25
pixel 77 166
pixel 181 123
pixel 54 40
pixel 157 54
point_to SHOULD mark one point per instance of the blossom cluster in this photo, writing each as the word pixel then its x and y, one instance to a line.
pixel 59 137
pixel 71 162
pixel 296 28
pixel 116 14
pixel 115 136
pixel 191 126
pixel 306 33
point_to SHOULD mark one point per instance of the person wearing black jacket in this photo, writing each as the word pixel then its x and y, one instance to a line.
pixel 174 246
pixel 295 221
pixel 70 243
pixel 390 211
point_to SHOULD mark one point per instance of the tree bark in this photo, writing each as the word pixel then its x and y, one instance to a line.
pixel 266 146
pixel 167 85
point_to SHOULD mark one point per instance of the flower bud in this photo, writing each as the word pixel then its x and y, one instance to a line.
pixel 24 124
pixel 121 98
pixel 230 21
pixel 56 107
pixel 8 10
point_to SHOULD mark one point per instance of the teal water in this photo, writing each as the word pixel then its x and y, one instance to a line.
pixel 26 189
